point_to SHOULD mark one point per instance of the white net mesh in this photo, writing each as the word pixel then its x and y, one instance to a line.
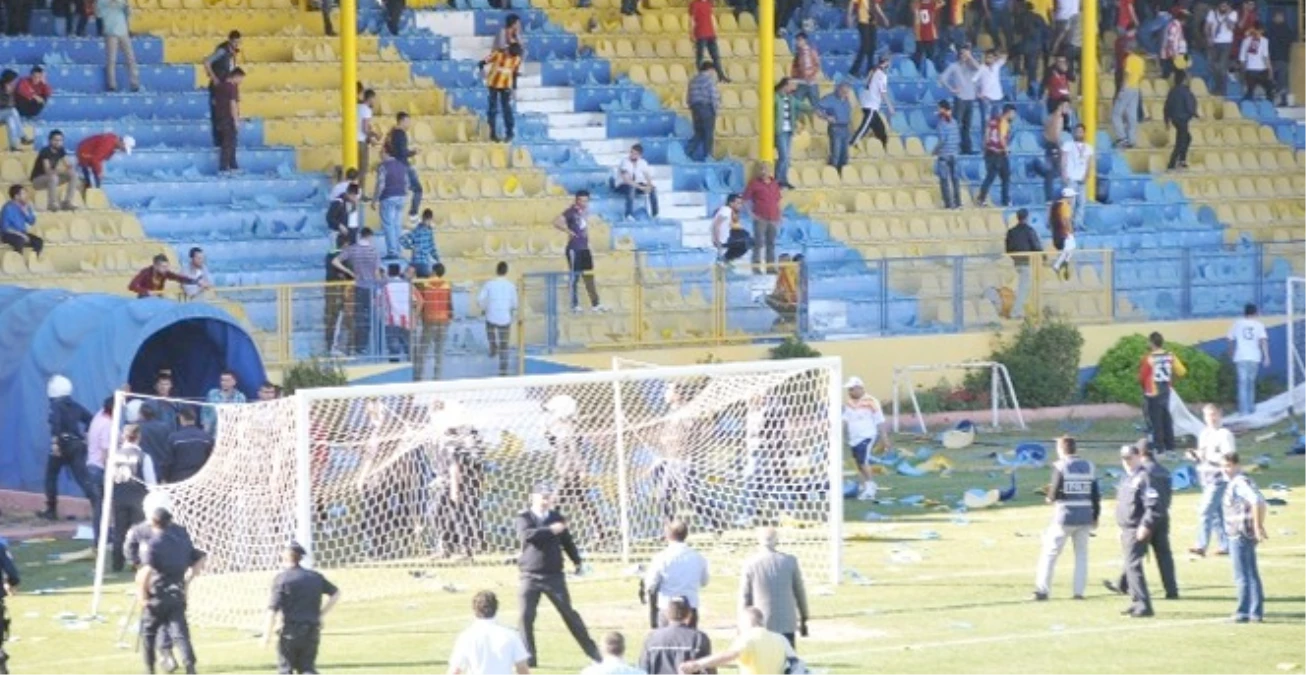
pixel 409 479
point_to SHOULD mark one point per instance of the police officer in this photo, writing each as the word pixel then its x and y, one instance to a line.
pixel 1078 503
pixel 297 596
pixel 68 424
pixel 1136 515
pixel 8 582
pixel 1159 477
pixel 169 563
pixel 132 473
pixel 136 544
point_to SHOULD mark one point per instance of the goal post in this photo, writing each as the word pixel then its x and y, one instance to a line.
pixel 392 486
pixel 1000 391
pixel 1295 309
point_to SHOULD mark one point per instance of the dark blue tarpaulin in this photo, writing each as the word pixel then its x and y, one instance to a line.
pixel 101 342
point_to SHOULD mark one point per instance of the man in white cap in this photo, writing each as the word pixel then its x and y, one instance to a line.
pixel 866 425
pixel 94 151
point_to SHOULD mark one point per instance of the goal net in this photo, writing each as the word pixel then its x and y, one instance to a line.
pixel 389 485
pixel 999 401
pixel 1295 305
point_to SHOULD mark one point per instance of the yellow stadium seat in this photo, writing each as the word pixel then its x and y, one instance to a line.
pixel 889 175
pixel 830 177
pixel 678 73
pixel 730 99
pixel 684 49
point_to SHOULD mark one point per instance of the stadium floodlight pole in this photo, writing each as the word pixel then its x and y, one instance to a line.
pixel 766 80
pixel 1089 90
pixel 623 469
pixel 348 84
pixel 835 464
pixel 304 475
pixel 106 504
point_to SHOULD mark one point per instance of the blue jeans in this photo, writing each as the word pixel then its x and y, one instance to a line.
pixel 415 187
pixel 782 140
pixel 838 145
pixel 1246 385
pixel 946 169
pixel 95 481
pixel 1210 516
pixel 965 114
pixel 1081 201
pixel 14 124
pixel 699 148
pixel 392 224
pixel 809 92
pixel 363 320
pixel 1246 578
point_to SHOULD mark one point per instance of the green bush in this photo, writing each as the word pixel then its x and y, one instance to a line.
pixel 312 374
pixel 1043 361
pixel 1116 380
pixel 793 348
pixel 945 397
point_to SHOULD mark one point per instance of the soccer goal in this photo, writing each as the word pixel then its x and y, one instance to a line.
pixel 1295 306
pixel 391 483
pixel 1001 393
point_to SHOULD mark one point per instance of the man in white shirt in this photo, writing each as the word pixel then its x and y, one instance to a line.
pixel 634 177
pixel 366 135
pixel 1221 23
pixel 498 301
pixel 485 647
pixel 678 571
pixel 1249 347
pixel 198 271
pixel 872 98
pixel 613 663
pixel 988 84
pixel 1076 163
pixel 866 426
pixel 1254 55
pixel 1213 445
pixel 728 236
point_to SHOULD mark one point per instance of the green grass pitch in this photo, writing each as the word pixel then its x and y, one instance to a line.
pixel 955 603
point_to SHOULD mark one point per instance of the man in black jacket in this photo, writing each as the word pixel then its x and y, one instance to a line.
pixel 156 443
pixel 396 145
pixel 339 211
pixel 1159 479
pixel 1022 241
pixel 1180 109
pixel 189 446
pixel 1136 514
pixel 334 305
pixel 544 538
pixel 666 648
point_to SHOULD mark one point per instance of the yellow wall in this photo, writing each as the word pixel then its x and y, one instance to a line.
pixel 874 359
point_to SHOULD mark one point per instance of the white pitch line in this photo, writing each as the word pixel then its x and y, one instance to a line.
pixel 1129 626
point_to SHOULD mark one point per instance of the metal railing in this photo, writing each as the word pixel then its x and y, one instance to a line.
pixel 710 305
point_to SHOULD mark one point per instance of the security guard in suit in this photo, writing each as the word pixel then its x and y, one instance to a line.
pixel 1136 514
pixel 1159 477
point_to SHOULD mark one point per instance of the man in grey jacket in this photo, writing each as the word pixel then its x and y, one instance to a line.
pixel 772 582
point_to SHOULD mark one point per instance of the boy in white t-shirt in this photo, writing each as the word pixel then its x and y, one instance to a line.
pixel 1213 445
pixel 1249 347
pixel 865 420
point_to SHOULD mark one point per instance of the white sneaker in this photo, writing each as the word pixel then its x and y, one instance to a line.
pixel 869 490
pixel 414 219
pixel 599 309
pixel 575 309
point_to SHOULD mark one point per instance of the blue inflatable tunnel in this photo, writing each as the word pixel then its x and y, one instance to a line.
pixel 101 342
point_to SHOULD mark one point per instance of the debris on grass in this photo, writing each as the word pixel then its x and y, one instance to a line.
pixel 874 517
pixel 988 543
pixel 823 591
pixel 978 498
pixel 1057 627
pixel 76 625
pixel 961 625
pixel 1287 666
pixel 1183 477
pixel 857 578
pixel 961 520
pixel 904 556
pixel 65 616
pixel 912 500
pixel 31 615
pixel 930 535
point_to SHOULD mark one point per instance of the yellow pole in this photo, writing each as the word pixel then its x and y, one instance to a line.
pixel 766 80
pixel 1089 63
pixel 348 27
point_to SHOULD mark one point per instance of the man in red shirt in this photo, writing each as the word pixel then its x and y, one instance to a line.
pixel 702 27
pixel 762 195
pixel 94 151
pixel 927 33
pixel 997 158
pixel 33 93
pixel 150 281
pixel 1126 15
pixel 1056 86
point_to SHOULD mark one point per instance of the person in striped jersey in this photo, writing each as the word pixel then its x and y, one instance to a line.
pixel 501 81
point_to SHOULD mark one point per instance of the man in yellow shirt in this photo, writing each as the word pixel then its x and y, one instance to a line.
pixel 757 651
pixel 1124 112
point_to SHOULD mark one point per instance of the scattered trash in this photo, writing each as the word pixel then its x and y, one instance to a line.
pixel 123 645
pixel 1286 532
pixel 961 625
pixel 823 591
pixel 1056 627
pixel 1287 666
pixel 858 578
pixel 1275 501
pixel 1030 455
pixel 76 625
pixel 905 556
pixel 455 588
pixel 988 543
pixel 65 616
pixel 977 498
pixel 1263 461
pixel 912 500
pixel 930 535
pixel 1112 473
pixel 84 533
pixel 1279 487
pixel 1183 477
pixel 873 517
pixel 961 520
pixel 633 571
pixel 1008 493
pixel 961 436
